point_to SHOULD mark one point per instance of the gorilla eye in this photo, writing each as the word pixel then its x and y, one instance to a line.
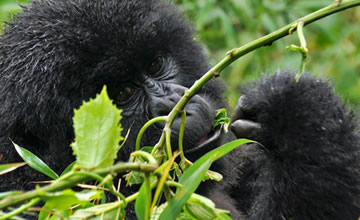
pixel 124 94
pixel 155 65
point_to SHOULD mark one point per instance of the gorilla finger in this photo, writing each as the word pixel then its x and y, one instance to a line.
pixel 245 128
pixel 241 109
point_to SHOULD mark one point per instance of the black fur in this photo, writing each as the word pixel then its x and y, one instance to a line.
pixel 308 166
pixel 59 52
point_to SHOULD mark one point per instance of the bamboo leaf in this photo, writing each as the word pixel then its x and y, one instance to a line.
pixel 34 162
pixel 193 176
pixel 6 168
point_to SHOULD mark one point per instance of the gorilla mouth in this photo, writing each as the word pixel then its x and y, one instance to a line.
pixel 208 141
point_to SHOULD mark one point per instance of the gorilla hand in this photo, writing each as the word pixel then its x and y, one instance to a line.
pixel 243 120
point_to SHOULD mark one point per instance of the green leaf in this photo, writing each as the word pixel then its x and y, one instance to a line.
pixel 141 200
pixel 68 168
pixel 97 132
pixel 62 201
pixel 34 162
pixel 157 211
pixel 108 211
pixel 222 119
pixel 212 175
pixel 201 207
pixel 134 178
pixel 192 179
pixel 6 168
pixel 193 176
pixel 140 203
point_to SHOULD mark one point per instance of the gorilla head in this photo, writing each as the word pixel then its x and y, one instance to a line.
pixel 58 53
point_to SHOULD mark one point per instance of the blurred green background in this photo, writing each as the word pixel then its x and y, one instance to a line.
pixel 333 42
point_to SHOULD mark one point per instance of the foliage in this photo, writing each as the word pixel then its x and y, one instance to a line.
pixel 333 42
pixel 97 135
pixel 9 8
pixel 97 132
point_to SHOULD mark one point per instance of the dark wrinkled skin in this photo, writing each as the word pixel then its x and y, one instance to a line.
pixel 58 53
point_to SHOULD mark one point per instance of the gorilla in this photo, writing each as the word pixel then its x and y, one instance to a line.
pixel 57 53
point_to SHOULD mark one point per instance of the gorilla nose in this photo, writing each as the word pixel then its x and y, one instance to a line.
pixel 162 105
pixel 163 102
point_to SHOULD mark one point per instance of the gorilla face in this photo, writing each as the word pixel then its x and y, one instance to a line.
pixel 58 53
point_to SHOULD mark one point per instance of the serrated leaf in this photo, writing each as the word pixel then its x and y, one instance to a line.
pixel 97 132
pixel 34 162
pixel 193 176
pixel 6 168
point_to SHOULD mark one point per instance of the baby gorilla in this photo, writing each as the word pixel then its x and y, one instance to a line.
pixel 57 53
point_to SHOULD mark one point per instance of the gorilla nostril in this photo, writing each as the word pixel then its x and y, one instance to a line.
pixel 163 112
pixel 163 105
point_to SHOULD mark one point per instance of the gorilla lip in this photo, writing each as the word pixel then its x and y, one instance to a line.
pixel 207 141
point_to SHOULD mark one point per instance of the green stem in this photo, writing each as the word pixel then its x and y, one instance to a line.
pixel 300 31
pixel 20 209
pixel 174 184
pixel 73 180
pixel 108 183
pixel 303 49
pixel 162 180
pixel 148 197
pixel 181 136
pixel 144 155
pixel 167 131
pixel 159 145
pixel 145 127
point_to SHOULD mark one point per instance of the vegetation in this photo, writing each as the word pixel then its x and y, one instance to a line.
pixel 333 42
pixel 155 167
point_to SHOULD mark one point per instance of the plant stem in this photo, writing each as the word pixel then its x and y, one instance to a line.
pixel 167 131
pixel 162 180
pixel 144 128
pixel 148 197
pixel 20 209
pixel 75 179
pixel 181 136
pixel 267 40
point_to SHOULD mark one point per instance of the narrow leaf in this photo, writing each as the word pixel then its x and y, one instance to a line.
pixel 68 168
pixel 97 132
pixel 34 162
pixel 141 200
pixel 140 203
pixel 6 168
pixel 190 184
pixel 193 176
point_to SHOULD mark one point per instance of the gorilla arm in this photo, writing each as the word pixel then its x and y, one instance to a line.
pixel 308 164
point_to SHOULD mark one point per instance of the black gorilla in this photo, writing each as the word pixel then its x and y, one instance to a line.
pixel 59 52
